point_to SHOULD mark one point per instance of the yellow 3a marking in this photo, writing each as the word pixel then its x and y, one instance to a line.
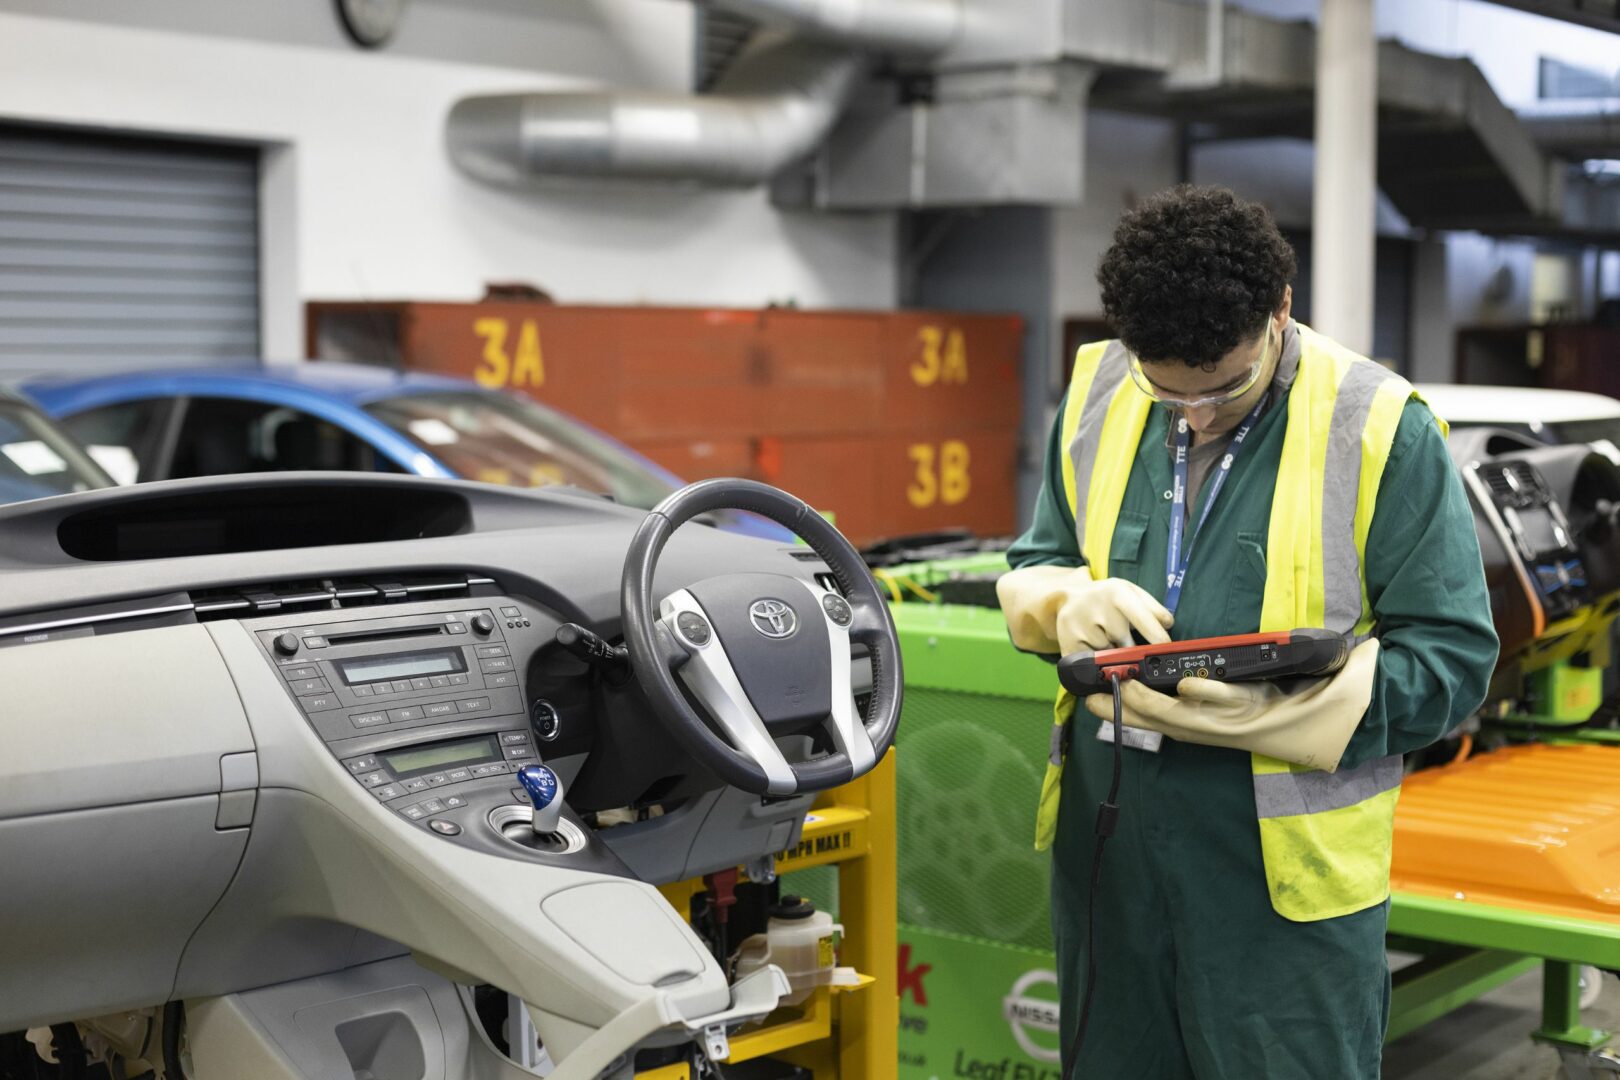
pixel 526 368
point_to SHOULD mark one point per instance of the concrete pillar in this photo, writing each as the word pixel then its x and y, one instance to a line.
pixel 1346 184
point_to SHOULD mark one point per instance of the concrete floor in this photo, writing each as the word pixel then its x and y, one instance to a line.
pixel 1490 1038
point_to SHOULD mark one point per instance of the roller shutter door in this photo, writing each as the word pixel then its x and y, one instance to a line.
pixel 119 254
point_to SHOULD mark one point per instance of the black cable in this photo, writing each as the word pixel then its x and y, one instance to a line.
pixel 173 1013
pixel 1107 818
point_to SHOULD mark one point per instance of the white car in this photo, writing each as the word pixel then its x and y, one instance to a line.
pixel 1553 416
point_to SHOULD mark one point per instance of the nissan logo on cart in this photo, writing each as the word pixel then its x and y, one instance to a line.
pixel 773 618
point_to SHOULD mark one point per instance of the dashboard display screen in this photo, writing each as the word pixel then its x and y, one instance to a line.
pixel 401 665
pixel 405 762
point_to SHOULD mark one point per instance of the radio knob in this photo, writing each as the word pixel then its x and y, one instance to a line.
pixel 287 644
pixel 483 624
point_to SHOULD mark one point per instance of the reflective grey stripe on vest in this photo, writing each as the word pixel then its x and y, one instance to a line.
pixel 1341 570
pixel 1288 794
pixel 1112 369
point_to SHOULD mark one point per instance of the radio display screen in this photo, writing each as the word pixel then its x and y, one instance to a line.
pixel 401 665
pixel 405 762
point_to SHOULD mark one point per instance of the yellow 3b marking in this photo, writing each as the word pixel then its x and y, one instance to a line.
pixel 943 359
pixel 941 476
pixel 526 368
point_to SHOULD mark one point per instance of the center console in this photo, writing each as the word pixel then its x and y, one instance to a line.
pixel 424 706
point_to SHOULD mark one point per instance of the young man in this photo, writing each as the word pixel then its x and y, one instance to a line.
pixel 1221 469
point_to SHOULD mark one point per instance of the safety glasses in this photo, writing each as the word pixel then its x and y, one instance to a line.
pixel 1223 397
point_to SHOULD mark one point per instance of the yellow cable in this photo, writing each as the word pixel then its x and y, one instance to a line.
pixel 931 597
pixel 888 581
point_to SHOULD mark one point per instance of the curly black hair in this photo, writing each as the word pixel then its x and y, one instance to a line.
pixel 1193 272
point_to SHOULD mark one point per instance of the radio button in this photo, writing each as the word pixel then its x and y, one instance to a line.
pixel 311 686
pixel 505 678
pixel 456 627
pixel 439 681
pixel 362 764
pixel 302 671
pixel 512 612
pixel 443 708
pixel 361 691
pixel 404 716
pixel 477 704
pixel 422 684
pixel 370 719
pixel 458 680
pixel 319 703
pixel 387 791
pixel 492 650
pixel 503 663
pixel 402 686
pixel 314 643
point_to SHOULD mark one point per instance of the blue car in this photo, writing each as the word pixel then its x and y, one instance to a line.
pixel 37 459
pixel 164 425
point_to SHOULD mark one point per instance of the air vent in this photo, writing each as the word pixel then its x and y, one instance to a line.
pixel 245 601
pixel 804 554
pixel 1514 481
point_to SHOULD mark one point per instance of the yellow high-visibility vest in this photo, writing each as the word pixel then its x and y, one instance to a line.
pixel 1325 836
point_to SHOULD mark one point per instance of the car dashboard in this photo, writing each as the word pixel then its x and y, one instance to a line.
pixel 266 728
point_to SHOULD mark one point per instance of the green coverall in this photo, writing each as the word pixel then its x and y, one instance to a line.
pixel 1197 975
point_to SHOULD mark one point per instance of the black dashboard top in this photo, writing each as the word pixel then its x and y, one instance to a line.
pixel 164 544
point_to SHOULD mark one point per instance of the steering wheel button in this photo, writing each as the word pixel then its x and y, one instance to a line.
pixel 694 627
pixel 837 609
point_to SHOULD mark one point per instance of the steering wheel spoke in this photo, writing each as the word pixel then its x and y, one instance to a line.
pixel 709 674
pixel 843 724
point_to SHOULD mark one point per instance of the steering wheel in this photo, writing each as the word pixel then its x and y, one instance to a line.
pixel 766 654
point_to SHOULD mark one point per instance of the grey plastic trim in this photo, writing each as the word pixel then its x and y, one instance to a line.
pixel 91 620
pixel 711 677
pixel 239 772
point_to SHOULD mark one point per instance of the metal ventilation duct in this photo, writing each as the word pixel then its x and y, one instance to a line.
pixel 772 108
pixel 902 26
pixel 1576 128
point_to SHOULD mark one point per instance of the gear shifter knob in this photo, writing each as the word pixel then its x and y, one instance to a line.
pixel 546 793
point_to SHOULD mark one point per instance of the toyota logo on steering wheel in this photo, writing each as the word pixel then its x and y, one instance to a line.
pixel 773 618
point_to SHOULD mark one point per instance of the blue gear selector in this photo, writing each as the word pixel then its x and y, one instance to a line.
pixel 545 792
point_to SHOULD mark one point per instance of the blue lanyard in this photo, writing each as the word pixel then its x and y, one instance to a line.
pixel 1176 559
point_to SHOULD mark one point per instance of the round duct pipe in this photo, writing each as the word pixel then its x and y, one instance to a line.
pixel 901 26
pixel 774 107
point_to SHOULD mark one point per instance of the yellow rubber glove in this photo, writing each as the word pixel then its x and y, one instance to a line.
pixel 1059 609
pixel 1310 726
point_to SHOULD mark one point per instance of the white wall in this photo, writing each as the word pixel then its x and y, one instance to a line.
pixel 361 200
pixel 1127 159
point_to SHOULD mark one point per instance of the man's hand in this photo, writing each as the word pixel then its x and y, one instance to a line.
pixel 1056 609
pixel 1309 727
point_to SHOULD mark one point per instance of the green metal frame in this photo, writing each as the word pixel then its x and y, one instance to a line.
pixel 1467 949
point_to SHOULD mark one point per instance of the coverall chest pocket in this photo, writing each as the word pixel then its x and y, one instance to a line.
pixel 1246 585
pixel 1125 551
